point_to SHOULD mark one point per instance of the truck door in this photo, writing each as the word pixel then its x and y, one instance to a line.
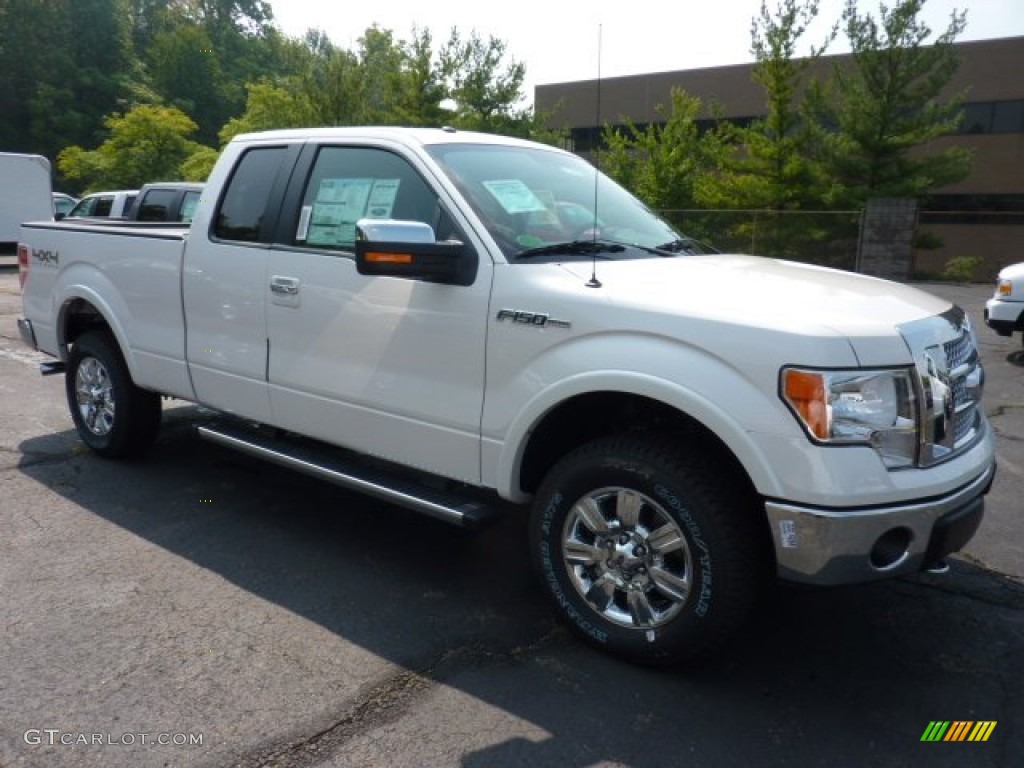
pixel 224 286
pixel 387 366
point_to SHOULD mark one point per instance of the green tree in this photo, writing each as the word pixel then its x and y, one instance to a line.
pixel 271 106
pixel 487 89
pixel 148 143
pixel 774 166
pixel 185 68
pixel 421 89
pixel 197 166
pixel 888 105
pixel 63 65
pixel 669 164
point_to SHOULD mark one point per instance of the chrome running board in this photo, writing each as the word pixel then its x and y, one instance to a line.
pixel 331 465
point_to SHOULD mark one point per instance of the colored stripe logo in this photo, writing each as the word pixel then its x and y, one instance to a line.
pixel 959 730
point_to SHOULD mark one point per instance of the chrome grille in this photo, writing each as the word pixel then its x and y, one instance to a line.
pixel 951 379
pixel 960 352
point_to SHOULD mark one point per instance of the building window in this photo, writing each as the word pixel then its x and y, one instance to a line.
pixel 993 117
pixel 973 209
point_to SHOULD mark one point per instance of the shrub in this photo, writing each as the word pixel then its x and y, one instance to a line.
pixel 961 269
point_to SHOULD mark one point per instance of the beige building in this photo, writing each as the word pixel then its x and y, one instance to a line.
pixel 983 215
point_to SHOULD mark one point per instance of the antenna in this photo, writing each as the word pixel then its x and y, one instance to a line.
pixel 593 282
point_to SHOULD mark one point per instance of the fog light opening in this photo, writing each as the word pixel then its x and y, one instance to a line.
pixel 891 549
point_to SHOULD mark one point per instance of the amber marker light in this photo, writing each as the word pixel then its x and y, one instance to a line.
pixel 388 258
pixel 1005 288
pixel 805 391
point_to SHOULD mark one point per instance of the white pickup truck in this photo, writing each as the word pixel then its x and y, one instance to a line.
pixel 446 319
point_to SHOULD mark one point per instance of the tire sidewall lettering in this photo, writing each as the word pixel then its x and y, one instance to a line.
pixel 683 514
pixel 551 578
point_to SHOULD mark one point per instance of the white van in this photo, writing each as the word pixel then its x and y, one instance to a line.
pixel 26 194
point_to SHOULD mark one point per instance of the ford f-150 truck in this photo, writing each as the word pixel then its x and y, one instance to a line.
pixel 448 320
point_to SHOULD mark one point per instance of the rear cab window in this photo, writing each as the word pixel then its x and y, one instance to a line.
pixel 242 214
pixel 156 204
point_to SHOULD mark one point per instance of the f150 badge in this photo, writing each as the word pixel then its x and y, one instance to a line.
pixel 536 319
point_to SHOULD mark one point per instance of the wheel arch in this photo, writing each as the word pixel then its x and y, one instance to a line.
pixel 82 309
pixel 589 416
pixel 542 435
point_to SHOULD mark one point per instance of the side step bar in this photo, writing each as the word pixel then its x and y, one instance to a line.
pixel 332 466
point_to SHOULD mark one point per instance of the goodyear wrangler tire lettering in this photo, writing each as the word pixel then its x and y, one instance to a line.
pixel 644 552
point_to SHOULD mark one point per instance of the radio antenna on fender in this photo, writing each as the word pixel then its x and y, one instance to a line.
pixel 593 282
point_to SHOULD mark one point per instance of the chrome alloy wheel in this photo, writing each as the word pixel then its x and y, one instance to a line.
pixel 95 395
pixel 627 557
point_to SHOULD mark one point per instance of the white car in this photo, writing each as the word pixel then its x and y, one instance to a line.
pixel 114 204
pixel 1004 312
pixel 62 204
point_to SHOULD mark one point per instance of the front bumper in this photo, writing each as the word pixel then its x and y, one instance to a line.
pixel 848 546
pixel 1004 317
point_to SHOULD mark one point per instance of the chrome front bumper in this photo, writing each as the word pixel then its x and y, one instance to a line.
pixel 828 546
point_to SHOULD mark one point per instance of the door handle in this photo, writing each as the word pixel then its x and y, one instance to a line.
pixel 285 286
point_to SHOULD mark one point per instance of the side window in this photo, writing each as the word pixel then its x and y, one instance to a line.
pixel 188 206
pixel 84 207
pixel 241 211
pixel 156 203
pixel 103 206
pixel 351 183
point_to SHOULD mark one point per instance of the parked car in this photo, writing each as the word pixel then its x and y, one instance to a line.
pixel 62 204
pixel 114 204
pixel 1004 312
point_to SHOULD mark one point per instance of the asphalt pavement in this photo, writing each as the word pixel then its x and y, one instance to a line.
pixel 201 608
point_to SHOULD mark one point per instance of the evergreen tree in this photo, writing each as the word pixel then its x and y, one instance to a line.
pixel 888 105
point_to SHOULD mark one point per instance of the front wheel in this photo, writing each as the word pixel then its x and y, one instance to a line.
pixel 113 417
pixel 645 553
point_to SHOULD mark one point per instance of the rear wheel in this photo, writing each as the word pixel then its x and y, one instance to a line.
pixel 646 553
pixel 113 417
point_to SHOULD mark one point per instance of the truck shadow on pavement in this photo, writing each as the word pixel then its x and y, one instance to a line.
pixel 849 676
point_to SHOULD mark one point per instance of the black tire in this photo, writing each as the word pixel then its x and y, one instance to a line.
pixel 115 418
pixel 675 569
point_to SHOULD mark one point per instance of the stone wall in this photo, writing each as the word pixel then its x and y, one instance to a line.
pixel 887 238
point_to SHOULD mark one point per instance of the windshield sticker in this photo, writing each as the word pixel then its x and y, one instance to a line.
pixel 514 196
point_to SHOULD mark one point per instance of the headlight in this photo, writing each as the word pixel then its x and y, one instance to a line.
pixel 1004 288
pixel 858 407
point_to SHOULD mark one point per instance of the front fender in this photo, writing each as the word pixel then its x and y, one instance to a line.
pixel 735 405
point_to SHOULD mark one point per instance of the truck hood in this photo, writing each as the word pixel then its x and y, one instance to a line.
pixel 771 295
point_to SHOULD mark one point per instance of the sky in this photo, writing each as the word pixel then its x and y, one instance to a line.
pixel 558 42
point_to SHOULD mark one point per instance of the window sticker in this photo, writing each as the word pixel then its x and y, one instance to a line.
pixel 340 203
pixel 382 198
pixel 514 196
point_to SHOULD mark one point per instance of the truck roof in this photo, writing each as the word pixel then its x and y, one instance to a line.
pixel 404 135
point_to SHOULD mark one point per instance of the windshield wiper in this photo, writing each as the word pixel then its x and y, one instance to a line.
pixel 686 245
pixel 572 248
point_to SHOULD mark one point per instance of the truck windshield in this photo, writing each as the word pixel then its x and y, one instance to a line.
pixel 533 199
